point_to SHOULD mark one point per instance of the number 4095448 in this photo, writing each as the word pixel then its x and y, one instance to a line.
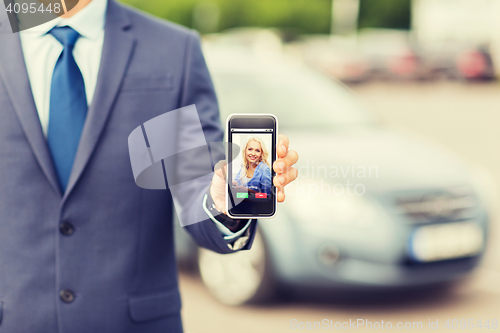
pixel 33 8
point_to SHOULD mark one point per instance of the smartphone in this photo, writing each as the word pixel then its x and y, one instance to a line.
pixel 251 152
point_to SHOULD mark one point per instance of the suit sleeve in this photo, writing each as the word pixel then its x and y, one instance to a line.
pixel 198 89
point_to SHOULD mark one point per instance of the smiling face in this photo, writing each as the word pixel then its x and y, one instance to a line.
pixel 253 152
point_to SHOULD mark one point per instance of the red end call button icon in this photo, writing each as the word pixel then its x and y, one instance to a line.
pixel 260 195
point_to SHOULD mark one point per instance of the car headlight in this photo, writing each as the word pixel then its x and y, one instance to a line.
pixel 317 206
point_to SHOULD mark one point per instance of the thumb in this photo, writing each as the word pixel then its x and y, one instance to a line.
pixel 218 188
pixel 220 169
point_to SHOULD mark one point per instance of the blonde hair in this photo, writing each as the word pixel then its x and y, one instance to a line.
pixel 263 156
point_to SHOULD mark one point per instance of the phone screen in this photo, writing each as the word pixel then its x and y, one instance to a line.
pixel 250 175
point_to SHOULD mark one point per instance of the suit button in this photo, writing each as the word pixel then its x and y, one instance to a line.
pixel 66 228
pixel 66 296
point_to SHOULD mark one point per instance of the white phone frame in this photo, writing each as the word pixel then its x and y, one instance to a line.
pixel 227 173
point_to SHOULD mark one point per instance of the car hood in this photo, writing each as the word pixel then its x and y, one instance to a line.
pixel 380 158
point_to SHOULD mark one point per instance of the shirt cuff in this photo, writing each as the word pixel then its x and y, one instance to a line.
pixel 228 234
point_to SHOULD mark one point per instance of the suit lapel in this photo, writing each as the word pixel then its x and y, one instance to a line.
pixel 15 77
pixel 117 52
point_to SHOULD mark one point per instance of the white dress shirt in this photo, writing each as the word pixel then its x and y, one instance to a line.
pixel 41 51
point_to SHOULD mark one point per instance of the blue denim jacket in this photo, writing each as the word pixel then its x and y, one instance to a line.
pixel 261 180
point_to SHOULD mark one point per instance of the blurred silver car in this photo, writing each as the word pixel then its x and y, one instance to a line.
pixel 373 206
pixel 393 54
pixel 338 56
pixel 454 60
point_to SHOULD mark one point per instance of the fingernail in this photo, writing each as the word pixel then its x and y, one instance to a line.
pixel 280 165
pixel 284 148
pixel 281 180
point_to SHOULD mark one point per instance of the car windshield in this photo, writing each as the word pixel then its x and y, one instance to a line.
pixel 299 97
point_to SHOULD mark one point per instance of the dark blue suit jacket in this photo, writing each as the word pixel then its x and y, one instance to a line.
pixel 119 262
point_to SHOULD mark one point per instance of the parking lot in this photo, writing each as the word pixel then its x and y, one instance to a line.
pixel 462 117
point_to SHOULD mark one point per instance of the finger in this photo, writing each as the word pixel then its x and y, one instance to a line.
pixel 289 160
pixel 281 195
pixel 282 147
pixel 221 169
pixel 287 177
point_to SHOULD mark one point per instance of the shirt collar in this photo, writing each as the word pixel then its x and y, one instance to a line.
pixel 89 22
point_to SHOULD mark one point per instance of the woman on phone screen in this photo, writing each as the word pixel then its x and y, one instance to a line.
pixel 255 172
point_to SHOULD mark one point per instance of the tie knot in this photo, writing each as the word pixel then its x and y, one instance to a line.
pixel 65 35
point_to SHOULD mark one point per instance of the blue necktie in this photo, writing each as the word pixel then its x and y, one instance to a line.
pixel 68 106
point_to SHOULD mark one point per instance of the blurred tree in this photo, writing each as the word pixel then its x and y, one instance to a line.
pixel 302 16
pixel 394 14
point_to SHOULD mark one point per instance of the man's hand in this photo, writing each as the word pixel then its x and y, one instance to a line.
pixel 283 166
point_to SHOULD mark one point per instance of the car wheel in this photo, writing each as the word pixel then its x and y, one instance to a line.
pixel 240 278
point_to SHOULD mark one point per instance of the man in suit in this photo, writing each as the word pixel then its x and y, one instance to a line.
pixel 82 248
